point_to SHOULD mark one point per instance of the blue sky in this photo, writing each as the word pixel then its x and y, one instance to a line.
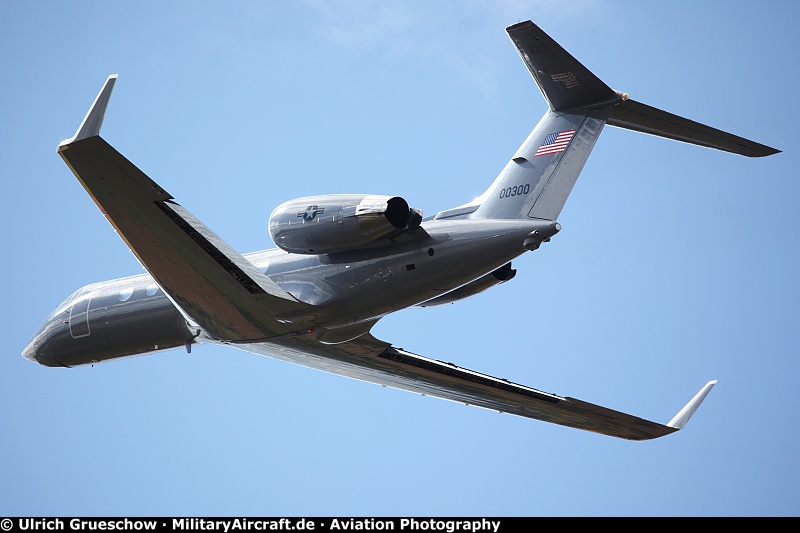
pixel 675 264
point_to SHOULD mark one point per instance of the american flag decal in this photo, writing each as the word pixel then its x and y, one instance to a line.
pixel 565 80
pixel 554 143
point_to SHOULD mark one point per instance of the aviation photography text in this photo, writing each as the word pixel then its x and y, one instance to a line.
pixel 228 525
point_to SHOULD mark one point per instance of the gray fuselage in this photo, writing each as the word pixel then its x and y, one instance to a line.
pixel 131 316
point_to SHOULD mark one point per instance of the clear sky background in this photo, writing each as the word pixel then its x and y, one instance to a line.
pixel 676 264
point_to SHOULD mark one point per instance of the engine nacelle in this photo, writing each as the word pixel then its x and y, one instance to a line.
pixel 336 222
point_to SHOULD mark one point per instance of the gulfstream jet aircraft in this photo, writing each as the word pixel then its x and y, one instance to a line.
pixel 344 261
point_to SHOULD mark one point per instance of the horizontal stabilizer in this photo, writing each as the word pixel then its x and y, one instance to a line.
pixel 643 118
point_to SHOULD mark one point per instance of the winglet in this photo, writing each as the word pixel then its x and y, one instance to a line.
pixel 680 420
pixel 90 127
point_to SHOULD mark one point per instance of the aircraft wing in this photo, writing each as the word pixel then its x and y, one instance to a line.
pixel 369 359
pixel 211 283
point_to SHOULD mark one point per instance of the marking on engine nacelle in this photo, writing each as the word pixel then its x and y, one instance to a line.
pixel 311 212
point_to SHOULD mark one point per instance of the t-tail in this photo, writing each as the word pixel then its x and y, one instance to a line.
pixel 539 177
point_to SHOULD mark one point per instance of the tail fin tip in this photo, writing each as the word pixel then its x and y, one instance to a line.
pixel 565 83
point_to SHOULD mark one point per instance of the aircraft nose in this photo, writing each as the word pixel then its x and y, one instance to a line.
pixel 45 342
pixel 29 352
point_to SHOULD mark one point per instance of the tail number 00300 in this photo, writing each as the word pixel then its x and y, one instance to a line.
pixel 516 190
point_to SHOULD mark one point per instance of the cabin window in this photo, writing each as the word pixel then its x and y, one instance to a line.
pixel 125 293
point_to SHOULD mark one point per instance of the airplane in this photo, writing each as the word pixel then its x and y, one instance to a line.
pixel 344 261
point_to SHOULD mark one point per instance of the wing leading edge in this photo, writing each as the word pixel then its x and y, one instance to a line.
pixel 214 286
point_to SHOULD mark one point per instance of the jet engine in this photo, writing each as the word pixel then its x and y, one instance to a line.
pixel 336 222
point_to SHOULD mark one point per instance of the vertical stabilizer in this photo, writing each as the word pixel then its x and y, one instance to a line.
pixel 540 176
pixel 538 179
pixel 564 82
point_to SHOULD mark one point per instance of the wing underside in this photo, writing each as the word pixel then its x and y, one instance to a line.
pixel 369 359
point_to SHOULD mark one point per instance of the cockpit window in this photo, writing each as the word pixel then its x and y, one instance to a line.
pixel 70 298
